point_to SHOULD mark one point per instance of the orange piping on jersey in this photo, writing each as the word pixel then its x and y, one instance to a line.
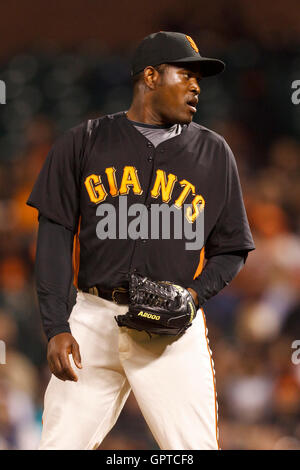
pixel 201 262
pixel 76 255
pixel 214 379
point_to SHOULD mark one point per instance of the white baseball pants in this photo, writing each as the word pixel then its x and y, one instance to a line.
pixel 172 380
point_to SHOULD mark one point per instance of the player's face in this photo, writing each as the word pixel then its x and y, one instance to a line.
pixel 176 94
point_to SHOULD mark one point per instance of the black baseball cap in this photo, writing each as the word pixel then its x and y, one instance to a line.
pixel 167 47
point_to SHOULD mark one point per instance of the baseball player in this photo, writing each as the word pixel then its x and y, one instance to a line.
pixel 138 322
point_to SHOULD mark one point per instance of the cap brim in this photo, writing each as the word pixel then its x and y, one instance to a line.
pixel 207 66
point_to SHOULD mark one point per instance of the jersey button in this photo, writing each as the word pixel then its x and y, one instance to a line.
pixel 149 144
pixel 150 158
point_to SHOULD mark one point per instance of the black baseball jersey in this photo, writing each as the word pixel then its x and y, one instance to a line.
pixel 114 164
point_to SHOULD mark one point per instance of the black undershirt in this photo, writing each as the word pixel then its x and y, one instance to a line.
pixel 53 271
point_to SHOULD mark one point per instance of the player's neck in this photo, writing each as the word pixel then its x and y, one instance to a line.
pixel 141 112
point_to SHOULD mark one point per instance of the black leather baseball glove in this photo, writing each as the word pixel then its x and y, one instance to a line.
pixel 158 307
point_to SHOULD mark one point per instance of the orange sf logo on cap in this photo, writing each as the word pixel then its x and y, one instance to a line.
pixel 192 43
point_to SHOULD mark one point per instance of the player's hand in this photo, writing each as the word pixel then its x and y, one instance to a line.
pixel 59 348
pixel 194 295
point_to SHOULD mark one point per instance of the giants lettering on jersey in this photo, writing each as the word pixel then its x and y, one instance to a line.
pixel 163 186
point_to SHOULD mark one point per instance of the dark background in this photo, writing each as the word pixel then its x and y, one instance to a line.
pixel 65 61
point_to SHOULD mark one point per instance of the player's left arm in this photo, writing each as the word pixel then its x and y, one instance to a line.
pixel 218 272
pixel 228 244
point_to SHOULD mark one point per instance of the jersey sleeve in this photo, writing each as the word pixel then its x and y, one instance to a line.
pixel 231 232
pixel 56 191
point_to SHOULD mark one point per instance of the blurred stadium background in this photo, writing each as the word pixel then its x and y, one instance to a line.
pixel 63 62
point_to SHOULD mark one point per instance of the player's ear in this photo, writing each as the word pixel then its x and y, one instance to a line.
pixel 151 76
